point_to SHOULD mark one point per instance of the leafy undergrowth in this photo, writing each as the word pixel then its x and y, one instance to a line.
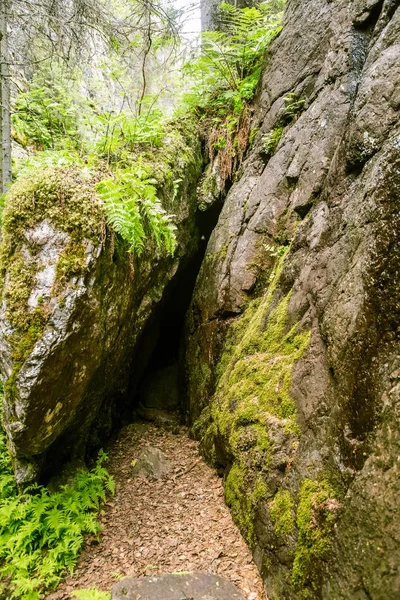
pixel 227 74
pixel 42 534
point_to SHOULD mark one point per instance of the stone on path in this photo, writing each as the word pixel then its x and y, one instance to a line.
pixel 188 586
pixel 151 463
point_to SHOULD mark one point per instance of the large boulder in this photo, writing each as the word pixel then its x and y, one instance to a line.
pixel 75 303
pixel 292 338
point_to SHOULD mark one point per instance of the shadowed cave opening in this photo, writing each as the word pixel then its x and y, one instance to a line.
pixel 157 381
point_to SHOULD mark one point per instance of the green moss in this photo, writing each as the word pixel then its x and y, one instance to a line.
pixel 242 496
pixel 71 262
pixel 67 200
pixel 253 134
pixel 260 491
pixel 256 367
pixel 208 189
pixel 316 516
pixel 253 389
pixel 21 273
pixel 281 510
pixel 239 500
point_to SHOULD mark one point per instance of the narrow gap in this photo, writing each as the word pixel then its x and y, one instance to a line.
pixel 156 379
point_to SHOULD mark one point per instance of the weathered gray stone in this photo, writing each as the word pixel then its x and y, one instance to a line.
pixel 185 586
pixel 151 463
pixel 74 308
pixel 337 167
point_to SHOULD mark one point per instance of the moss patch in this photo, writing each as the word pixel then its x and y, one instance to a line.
pixel 316 516
pixel 256 367
pixel 71 263
pixel 242 499
pixel 68 201
pixel 66 198
pixel 281 510
pixel 253 391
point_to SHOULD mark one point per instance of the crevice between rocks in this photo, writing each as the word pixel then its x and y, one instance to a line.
pixel 157 384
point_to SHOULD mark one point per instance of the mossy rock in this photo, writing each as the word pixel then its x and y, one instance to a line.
pixel 75 302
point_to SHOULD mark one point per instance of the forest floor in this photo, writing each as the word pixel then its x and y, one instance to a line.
pixel 159 526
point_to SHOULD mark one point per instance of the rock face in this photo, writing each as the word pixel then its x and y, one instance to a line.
pixel 292 337
pixel 75 304
pixel 190 586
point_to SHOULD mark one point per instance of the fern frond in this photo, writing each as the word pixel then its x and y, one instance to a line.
pixel 134 211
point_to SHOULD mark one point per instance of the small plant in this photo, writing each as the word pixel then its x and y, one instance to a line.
pixel 227 73
pixel 125 132
pixel 41 535
pixel 134 211
pixel 272 139
pixel 275 252
pixel 91 594
pixel 294 106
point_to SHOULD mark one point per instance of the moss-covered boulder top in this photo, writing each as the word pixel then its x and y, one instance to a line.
pixel 75 300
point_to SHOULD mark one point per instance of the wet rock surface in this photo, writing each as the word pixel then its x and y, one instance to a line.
pixel 193 586
pixel 75 306
pixel 310 500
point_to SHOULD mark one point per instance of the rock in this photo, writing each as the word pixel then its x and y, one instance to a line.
pixel 161 418
pixel 75 305
pixel 151 463
pixel 188 586
pixel 307 433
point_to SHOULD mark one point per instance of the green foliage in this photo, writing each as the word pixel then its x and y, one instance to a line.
pixel 281 510
pixel 91 594
pixel 41 535
pixel 45 116
pixel 229 65
pixel 134 210
pixel 272 139
pixel 226 75
pixel 275 252
pixel 125 132
pixel 44 160
pixel 294 106
pixel 7 481
pixel 316 516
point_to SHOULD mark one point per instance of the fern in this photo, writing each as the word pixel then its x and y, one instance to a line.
pixel 229 65
pixel 226 74
pixel 134 211
pixel 41 535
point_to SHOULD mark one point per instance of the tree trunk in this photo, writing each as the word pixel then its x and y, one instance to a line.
pixel 5 120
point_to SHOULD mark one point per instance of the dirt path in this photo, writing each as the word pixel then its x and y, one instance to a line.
pixel 178 523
